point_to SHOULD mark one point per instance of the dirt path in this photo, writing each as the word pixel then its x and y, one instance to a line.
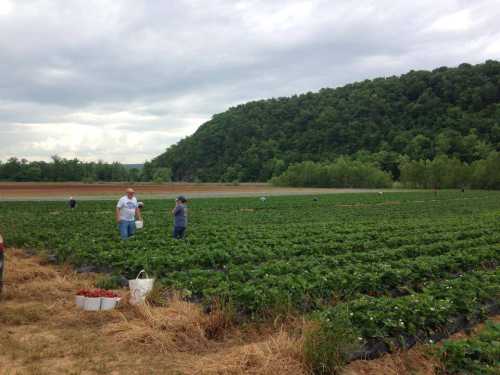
pixel 54 191
pixel 42 332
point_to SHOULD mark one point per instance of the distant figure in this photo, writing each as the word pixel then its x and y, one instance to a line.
pixel 72 202
pixel 180 217
pixel 463 190
pixel 315 199
pixel 127 210
pixel 1 262
pixel 263 199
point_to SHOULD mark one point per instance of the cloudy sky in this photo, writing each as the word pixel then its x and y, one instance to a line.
pixel 123 79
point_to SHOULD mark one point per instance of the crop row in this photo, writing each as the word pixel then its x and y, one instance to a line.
pixel 212 257
pixel 216 251
pixel 476 355
pixel 438 310
pixel 279 283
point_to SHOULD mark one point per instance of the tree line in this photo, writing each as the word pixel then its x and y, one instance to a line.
pixel 416 116
pixel 61 169
pixel 343 173
pixel 446 172
pixel 443 172
pixel 361 171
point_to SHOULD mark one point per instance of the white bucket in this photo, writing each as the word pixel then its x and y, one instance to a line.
pixel 139 224
pixel 109 303
pixel 92 304
pixel 80 301
pixel 139 288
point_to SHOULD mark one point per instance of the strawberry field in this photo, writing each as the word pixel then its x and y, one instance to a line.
pixel 405 266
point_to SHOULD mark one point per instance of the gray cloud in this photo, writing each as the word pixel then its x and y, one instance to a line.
pixel 123 80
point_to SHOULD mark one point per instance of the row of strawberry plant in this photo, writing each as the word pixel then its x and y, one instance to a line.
pixel 207 255
pixel 266 286
pixel 440 309
pixel 479 354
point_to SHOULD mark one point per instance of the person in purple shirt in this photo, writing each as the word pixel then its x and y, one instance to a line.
pixel 180 217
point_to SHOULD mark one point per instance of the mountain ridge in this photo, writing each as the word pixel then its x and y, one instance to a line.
pixel 418 115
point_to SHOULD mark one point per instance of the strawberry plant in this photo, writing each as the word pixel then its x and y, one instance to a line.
pixel 291 253
pixel 479 354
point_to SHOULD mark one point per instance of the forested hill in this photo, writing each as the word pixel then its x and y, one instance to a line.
pixel 453 111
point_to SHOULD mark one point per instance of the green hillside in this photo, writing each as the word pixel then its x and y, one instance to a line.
pixel 421 114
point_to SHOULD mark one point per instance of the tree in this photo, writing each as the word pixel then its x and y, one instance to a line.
pixel 11 169
pixel 486 173
pixel 162 175
pixel 420 147
pixel 61 169
pixel 344 172
pixel 413 173
pixel 233 173
pixel 30 173
pixel 134 174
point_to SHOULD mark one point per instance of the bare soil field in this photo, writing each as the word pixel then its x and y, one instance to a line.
pixel 43 191
pixel 42 332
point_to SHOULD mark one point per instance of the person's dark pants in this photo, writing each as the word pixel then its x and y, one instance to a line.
pixel 1 269
pixel 179 232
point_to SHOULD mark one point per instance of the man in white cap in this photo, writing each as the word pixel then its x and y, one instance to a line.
pixel 126 212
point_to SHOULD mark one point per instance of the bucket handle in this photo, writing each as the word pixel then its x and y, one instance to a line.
pixel 142 272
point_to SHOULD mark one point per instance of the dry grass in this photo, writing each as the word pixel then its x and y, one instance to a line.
pixel 27 278
pixel 44 333
pixel 412 362
pixel 278 354
pixel 21 314
pixel 22 268
pixel 219 321
pixel 175 328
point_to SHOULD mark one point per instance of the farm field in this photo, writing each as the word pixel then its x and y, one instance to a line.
pixel 62 190
pixel 397 268
pixel 44 333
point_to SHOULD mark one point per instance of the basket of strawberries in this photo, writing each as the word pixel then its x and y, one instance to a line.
pixel 96 299
pixel 109 300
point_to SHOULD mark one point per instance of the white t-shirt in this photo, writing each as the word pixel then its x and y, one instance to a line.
pixel 127 208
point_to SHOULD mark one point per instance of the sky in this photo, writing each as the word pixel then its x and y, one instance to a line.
pixel 121 80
